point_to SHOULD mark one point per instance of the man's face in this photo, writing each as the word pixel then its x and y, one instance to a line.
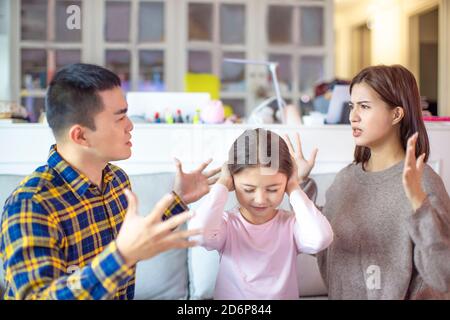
pixel 110 141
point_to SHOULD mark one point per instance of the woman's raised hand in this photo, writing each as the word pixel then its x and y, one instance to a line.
pixel 412 174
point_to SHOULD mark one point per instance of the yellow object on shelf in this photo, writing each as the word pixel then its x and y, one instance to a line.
pixel 228 110
pixel 202 82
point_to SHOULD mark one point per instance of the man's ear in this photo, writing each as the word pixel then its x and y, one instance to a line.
pixel 77 134
pixel 398 114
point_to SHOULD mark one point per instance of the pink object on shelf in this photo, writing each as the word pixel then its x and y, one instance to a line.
pixel 435 118
pixel 213 112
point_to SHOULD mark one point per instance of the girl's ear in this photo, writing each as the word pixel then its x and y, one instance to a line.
pixel 397 115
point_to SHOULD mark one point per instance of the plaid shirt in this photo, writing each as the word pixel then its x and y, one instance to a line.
pixel 58 231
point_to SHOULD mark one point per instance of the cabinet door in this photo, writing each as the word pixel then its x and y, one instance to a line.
pixel 299 38
pixel 217 30
pixel 295 33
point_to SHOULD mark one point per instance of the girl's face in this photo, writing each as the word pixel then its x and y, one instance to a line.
pixel 259 194
pixel 372 120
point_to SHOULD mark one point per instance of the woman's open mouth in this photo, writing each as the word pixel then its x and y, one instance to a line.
pixel 357 132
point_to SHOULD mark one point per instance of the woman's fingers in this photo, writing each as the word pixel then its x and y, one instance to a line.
pixel 410 159
pixel 420 162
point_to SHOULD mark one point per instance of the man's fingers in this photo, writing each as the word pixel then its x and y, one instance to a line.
pixel 177 220
pixel 204 165
pixel 182 235
pixel 213 180
pixel 180 244
pixel 212 172
pixel 132 202
pixel 160 208
pixel 178 165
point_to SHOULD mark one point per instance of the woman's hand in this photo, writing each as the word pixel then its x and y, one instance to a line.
pixel 412 174
pixel 303 165
pixel 226 178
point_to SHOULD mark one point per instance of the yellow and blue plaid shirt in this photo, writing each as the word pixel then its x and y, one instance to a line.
pixel 57 235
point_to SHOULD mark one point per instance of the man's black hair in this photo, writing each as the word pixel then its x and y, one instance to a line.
pixel 72 96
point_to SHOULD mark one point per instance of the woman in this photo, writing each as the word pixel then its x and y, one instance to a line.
pixel 389 211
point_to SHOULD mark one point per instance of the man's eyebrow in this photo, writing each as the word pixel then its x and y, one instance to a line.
pixel 121 111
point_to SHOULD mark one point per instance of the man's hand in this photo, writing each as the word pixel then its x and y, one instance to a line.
pixel 304 166
pixel 141 238
pixel 194 185
pixel 412 174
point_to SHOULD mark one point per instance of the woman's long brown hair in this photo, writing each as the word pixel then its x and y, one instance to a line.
pixel 397 87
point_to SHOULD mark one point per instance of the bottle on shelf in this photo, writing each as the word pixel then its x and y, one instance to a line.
pixel 179 118
pixel 157 118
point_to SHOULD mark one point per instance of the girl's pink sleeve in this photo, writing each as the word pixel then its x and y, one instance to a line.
pixel 312 231
pixel 210 217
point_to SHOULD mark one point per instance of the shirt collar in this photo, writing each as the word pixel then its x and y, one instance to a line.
pixel 77 181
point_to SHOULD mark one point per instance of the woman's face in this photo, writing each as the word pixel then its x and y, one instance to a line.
pixel 372 120
pixel 259 194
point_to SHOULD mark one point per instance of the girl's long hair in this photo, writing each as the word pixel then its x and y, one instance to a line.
pixel 260 148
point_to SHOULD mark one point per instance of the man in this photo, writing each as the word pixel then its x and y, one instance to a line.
pixel 71 229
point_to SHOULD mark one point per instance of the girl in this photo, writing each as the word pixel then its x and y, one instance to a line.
pixel 258 243
pixel 390 212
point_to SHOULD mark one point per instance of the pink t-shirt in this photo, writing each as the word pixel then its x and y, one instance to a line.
pixel 259 261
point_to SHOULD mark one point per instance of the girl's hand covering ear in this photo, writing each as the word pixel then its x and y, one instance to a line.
pixel 304 166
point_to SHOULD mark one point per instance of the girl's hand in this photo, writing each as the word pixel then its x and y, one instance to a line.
pixel 412 174
pixel 226 178
pixel 293 183
pixel 304 166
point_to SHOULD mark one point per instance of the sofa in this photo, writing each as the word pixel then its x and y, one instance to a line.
pixel 189 273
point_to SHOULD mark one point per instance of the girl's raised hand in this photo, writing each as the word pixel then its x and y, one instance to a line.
pixel 412 174
pixel 226 178
pixel 293 183
pixel 304 166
